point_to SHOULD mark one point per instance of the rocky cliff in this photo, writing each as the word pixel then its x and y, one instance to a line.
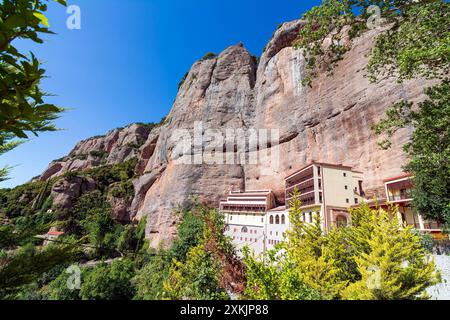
pixel 329 122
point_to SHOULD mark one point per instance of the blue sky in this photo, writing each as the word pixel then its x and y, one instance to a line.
pixel 125 63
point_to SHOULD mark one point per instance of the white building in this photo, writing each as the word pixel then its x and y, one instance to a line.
pixel 245 217
pixel 327 190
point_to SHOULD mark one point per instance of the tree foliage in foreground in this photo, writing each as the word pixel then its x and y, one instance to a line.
pixel 211 268
pixel 428 149
pixel 22 102
pixel 372 259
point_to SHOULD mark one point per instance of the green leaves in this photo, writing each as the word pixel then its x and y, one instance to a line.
pixel 373 258
pixel 418 44
pixel 22 106
pixel 43 19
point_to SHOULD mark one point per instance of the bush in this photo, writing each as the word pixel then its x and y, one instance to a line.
pixel 109 282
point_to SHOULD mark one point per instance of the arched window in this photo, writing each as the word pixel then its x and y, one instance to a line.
pixel 244 230
pixel 283 219
pixel 277 219
pixel 341 221
pixel 271 219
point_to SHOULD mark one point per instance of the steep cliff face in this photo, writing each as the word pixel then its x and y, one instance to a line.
pixel 329 122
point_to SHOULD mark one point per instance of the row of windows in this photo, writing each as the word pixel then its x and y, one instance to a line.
pixel 246 239
pixel 276 233
pixel 274 242
pixel 277 219
pixel 309 216
pixel 245 230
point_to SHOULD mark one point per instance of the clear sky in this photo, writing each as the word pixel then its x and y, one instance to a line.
pixel 125 63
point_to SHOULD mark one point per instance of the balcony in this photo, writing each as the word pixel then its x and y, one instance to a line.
pixel 302 188
pixel 243 209
pixel 300 177
pixel 306 199
pixel 395 196
pixel 431 225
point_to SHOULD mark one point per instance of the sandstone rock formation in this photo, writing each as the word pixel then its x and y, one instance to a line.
pixel 67 190
pixel 328 122
pixel 116 146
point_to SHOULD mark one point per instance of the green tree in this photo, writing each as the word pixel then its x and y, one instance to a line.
pixel 275 278
pixel 302 266
pixel 109 282
pixel 392 262
pixel 418 45
pixel 22 105
pixel 373 258
pixel 210 268
pixel 428 149
pixel 29 263
pixel 149 280
pixel 196 279
pixel 59 290
pixel 416 40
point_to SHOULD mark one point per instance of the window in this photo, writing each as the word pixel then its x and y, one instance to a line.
pixel 271 219
pixel 310 217
pixel 341 221
pixel 277 219
pixel 244 230
pixel 356 201
pixel 283 219
pixel 231 218
pixel 346 187
pixel 347 200
pixel 318 171
pixel 345 174
pixel 320 184
pixel 320 197
pixel 262 219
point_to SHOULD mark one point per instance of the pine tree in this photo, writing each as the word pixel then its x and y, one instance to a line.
pixel 373 258
pixel 391 260
pixel 312 253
